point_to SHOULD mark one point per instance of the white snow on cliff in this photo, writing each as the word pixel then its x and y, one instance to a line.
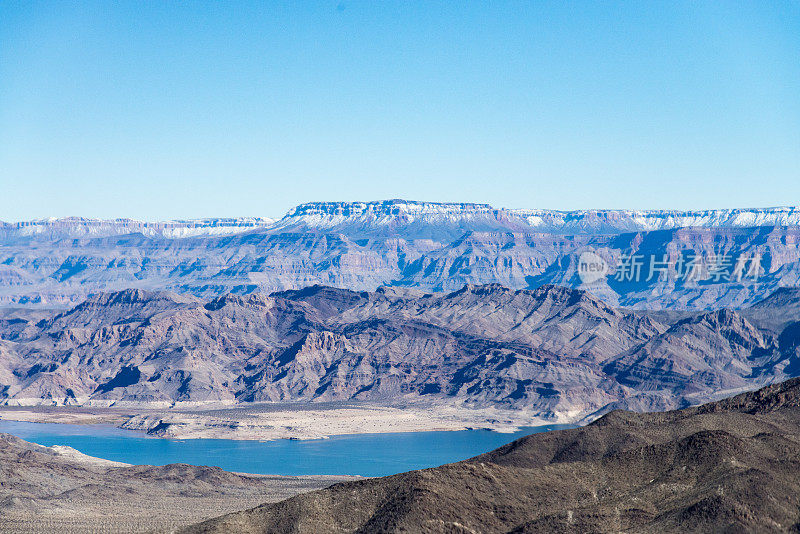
pixel 399 214
pixel 324 215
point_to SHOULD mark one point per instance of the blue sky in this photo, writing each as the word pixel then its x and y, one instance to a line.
pixel 160 110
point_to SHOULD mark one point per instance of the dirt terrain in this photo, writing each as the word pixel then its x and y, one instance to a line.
pixel 57 489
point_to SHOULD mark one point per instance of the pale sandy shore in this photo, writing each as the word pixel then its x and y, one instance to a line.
pixel 269 422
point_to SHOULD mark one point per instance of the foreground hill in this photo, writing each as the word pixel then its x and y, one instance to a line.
pixel 57 489
pixel 428 246
pixel 729 466
pixel 556 352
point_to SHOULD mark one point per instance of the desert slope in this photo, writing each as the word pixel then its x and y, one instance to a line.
pixel 730 466
pixel 57 489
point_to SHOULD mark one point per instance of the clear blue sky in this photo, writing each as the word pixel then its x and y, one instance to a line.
pixel 161 110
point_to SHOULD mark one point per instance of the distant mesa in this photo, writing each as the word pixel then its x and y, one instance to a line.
pixel 330 214
pixel 419 246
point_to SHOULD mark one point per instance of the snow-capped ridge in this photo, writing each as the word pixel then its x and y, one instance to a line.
pixel 411 219
pixel 179 228
pixel 398 213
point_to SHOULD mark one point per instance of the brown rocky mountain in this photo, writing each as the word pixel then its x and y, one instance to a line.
pixel 557 352
pixel 428 246
pixel 729 466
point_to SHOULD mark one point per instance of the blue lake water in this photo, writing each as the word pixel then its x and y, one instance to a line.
pixel 356 454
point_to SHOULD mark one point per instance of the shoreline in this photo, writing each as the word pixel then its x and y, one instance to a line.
pixel 59 489
pixel 274 422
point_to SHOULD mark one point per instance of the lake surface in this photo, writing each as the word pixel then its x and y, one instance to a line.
pixel 355 454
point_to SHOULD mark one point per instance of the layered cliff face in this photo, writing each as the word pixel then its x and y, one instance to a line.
pixel 557 352
pixel 743 255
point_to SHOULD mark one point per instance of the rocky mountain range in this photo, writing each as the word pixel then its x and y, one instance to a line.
pixel 647 259
pixel 730 466
pixel 558 352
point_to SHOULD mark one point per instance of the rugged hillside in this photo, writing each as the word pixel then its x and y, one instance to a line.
pixel 555 352
pixel 716 350
pixel 57 489
pixel 731 466
pixel 428 246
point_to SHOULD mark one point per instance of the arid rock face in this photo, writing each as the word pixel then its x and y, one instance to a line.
pixel 432 247
pixel 555 351
pixel 731 466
